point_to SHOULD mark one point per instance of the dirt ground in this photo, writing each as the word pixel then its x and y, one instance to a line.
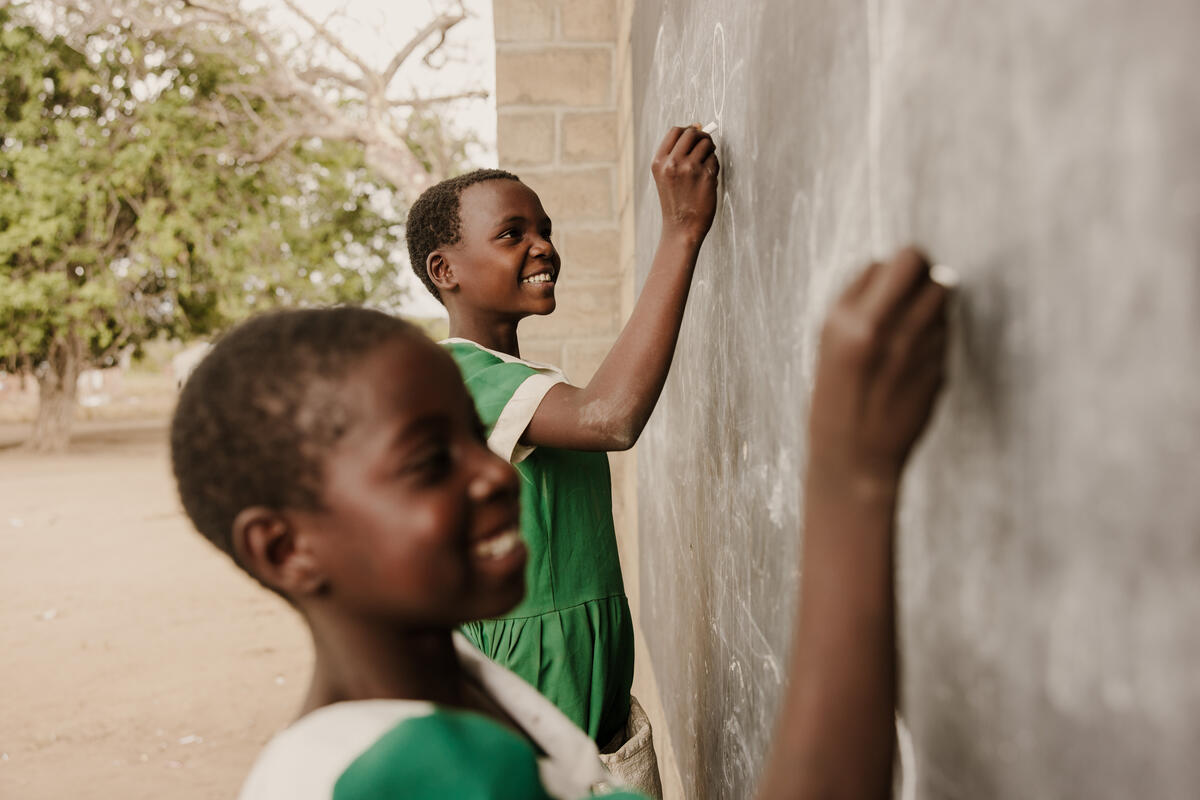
pixel 135 660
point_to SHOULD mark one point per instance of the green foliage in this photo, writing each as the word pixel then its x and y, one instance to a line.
pixel 122 214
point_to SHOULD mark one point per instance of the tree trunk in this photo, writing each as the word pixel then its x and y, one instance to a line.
pixel 57 384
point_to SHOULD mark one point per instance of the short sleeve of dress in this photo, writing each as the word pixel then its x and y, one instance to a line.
pixel 507 393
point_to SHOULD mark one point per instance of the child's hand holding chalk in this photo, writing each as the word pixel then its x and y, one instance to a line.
pixel 685 170
pixel 883 355
pixel 711 129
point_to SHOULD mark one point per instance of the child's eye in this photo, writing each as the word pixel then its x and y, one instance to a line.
pixel 432 465
pixel 510 233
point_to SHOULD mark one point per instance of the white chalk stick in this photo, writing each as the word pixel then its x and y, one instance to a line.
pixel 945 275
pixel 710 128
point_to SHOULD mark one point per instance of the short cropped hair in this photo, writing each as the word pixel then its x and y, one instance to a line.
pixel 433 221
pixel 258 415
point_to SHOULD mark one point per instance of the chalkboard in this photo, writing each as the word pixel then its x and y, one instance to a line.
pixel 1049 556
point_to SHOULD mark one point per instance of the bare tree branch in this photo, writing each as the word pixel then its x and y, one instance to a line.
pixel 324 32
pixel 247 107
pixel 420 102
pixel 440 25
pixel 288 95
pixel 272 148
pixel 319 72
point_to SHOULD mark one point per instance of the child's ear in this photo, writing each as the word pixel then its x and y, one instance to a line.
pixel 440 272
pixel 268 545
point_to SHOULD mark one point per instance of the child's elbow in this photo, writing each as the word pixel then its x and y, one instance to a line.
pixel 613 435
pixel 622 439
pixel 624 430
pixel 613 426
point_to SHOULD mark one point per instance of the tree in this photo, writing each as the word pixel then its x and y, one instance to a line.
pixel 123 214
pixel 309 87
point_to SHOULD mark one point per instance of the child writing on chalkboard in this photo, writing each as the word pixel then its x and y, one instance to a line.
pixel 481 243
pixel 335 455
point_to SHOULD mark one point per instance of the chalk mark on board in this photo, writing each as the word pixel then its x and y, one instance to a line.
pixel 718 58
pixel 908 760
pixel 875 122
pixel 758 644
pixel 658 61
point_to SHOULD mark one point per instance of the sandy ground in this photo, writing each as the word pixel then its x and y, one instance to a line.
pixel 135 660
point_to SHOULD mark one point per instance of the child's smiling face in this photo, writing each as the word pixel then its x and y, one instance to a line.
pixel 504 261
pixel 420 521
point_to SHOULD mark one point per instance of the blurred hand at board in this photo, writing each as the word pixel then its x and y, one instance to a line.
pixel 882 363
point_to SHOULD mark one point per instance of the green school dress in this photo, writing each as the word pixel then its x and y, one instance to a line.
pixel 388 749
pixel 572 636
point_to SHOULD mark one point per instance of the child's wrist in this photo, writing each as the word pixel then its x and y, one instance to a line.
pixel 861 481
pixel 690 236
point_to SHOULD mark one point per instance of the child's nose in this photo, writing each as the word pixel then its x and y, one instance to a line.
pixel 494 479
pixel 542 246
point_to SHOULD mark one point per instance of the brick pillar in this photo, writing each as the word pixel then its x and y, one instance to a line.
pixel 556 128
pixel 564 105
pixel 557 103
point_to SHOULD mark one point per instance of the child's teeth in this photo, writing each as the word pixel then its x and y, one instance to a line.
pixel 497 546
pixel 541 278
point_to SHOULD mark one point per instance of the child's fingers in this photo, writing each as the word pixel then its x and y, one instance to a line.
pixel 668 142
pixel 926 307
pixel 918 335
pixel 856 287
pixel 712 163
pixel 892 283
pixel 907 382
pixel 701 139
pixel 931 345
pixel 703 148
pixel 929 374
pixel 686 141
pixel 926 380
pixel 912 355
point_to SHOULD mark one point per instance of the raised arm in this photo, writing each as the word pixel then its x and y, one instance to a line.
pixel 880 369
pixel 611 411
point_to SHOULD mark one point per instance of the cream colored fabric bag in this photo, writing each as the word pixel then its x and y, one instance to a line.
pixel 630 755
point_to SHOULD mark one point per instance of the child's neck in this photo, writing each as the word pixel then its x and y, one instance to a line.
pixel 361 662
pixel 494 334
